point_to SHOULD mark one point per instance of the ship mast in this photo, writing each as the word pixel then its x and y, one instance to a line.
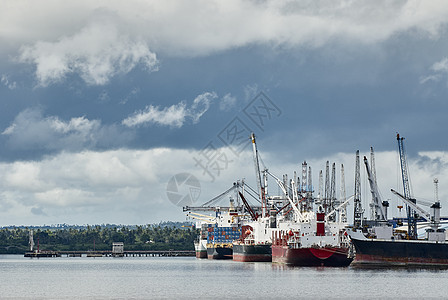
pixel 31 241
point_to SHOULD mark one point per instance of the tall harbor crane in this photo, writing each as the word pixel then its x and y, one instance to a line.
pixel 357 211
pixel 310 184
pixel 343 212
pixel 320 192
pixel 411 214
pixel 332 200
pixel 327 188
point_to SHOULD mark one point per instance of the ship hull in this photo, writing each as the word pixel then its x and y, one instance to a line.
pixel 400 253
pixel 252 253
pixel 220 253
pixel 311 257
pixel 201 253
pixel 201 250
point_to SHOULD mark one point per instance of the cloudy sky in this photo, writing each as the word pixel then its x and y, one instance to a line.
pixel 102 103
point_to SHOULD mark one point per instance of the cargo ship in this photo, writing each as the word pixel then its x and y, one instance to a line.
pixel 220 235
pixel 385 246
pixel 218 230
pixel 200 246
pixel 316 242
pixel 289 229
pixel 219 244
pixel 254 244
pixel 395 251
pixel 256 237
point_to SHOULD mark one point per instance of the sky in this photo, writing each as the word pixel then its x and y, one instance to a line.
pixel 121 112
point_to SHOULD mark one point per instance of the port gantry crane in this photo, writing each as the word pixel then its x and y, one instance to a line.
pixel 411 214
pixel 357 211
pixel 343 212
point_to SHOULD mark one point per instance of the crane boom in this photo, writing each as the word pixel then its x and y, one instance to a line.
pixel 409 202
pixel 379 213
pixel 300 217
pixel 258 176
pixel 342 206
pixel 249 209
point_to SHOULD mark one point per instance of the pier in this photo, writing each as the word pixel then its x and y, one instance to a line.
pixel 108 253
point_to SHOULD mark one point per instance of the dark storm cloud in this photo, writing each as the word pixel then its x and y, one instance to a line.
pixel 345 76
pixel 32 131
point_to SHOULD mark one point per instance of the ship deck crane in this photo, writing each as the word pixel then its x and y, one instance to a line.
pixel 378 207
pixel 252 214
pixel 300 217
pixel 433 218
pixel 342 206
pixel 211 204
pixel 413 205
pixel 260 186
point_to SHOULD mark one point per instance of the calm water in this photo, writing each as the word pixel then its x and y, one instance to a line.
pixel 189 278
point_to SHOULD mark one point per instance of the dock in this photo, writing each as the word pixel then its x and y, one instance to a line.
pixel 108 253
pixel 43 254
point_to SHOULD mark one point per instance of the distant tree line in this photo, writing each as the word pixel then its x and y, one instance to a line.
pixel 138 237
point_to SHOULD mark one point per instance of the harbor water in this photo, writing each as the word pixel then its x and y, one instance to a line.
pixel 191 278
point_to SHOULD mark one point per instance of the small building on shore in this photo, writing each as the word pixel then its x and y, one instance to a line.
pixel 118 249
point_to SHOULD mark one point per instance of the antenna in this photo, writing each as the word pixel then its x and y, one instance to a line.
pixel 436 190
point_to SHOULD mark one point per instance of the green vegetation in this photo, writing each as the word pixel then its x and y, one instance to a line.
pixel 145 237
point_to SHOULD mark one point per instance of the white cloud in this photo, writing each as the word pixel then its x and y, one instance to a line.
pixel 171 116
pixel 203 27
pixel 174 115
pixel 132 94
pixel 9 130
pixel 97 52
pixel 439 69
pixel 30 130
pixel 440 66
pixel 5 80
pixel 425 79
pixel 120 186
pixel 250 91
pixel 129 186
pixel 227 102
